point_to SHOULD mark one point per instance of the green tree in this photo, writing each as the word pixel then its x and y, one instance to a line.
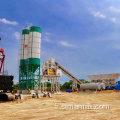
pixel 68 85
pixel 16 86
pixel 84 81
pixel 48 85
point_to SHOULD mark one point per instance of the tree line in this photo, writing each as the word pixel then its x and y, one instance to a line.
pixel 66 85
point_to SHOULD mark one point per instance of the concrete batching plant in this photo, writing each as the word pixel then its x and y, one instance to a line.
pixel 51 71
pixel 29 68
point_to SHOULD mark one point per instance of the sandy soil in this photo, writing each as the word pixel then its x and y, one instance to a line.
pixel 45 109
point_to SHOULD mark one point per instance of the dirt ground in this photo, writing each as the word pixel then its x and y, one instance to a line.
pixel 55 108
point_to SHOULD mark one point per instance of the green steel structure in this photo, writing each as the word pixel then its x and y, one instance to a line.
pixel 29 68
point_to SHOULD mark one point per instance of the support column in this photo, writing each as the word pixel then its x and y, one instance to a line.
pixel 43 83
pixel 56 84
pixel 40 83
pixel 59 84
pixel 51 85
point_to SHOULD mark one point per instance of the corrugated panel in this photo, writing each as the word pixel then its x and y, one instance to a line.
pixel 38 40
pixel 35 34
pixel 104 76
pixel 24 46
pixel 34 45
pixel 34 55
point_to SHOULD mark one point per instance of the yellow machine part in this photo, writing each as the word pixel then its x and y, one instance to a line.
pixel 49 71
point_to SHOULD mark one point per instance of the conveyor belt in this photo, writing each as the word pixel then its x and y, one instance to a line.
pixel 68 73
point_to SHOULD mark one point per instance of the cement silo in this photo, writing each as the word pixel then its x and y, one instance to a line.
pixel 24 48
pixel 29 70
pixel 34 55
pixel 34 47
pixel 23 59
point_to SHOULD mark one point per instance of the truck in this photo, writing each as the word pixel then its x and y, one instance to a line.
pixel 6 87
pixel 6 81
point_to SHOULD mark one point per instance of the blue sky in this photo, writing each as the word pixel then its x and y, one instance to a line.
pixel 82 35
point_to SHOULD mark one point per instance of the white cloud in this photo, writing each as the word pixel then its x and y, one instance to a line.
pixel 3 20
pixel 17 35
pixel 98 14
pixel 113 19
pixel 64 43
pixel 47 33
pixel 115 10
pixel 47 39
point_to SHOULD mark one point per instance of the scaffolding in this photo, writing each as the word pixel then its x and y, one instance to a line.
pixel 54 80
pixel 74 85
pixel 29 77
pixel 50 73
